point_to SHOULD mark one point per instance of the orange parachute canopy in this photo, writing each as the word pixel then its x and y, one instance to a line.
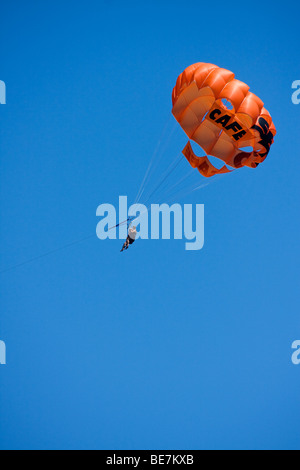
pixel 220 114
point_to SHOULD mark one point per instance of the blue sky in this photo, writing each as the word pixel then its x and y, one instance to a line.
pixel 158 348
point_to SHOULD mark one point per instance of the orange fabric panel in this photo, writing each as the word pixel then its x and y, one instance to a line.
pixel 235 92
pixel 224 149
pixel 252 106
pixel 217 80
pixel 206 135
pixel 203 165
pixel 189 96
pixel 202 72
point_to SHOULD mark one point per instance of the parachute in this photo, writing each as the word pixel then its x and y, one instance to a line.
pixel 219 113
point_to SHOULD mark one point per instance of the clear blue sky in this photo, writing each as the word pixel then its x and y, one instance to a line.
pixel 158 348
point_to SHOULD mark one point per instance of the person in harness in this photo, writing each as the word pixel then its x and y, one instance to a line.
pixel 132 233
